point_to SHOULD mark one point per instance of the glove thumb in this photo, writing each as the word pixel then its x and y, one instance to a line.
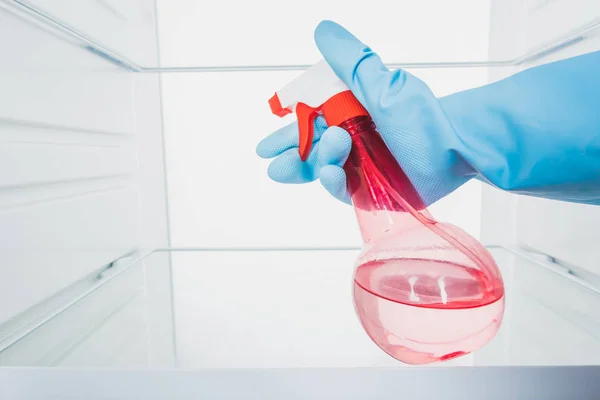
pixel 353 62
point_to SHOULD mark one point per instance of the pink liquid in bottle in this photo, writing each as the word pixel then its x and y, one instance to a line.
pixel 424 291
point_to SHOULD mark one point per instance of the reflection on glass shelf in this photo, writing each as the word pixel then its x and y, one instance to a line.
pixel 285 308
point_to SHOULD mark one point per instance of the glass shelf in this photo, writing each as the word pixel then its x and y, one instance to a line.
pixel 409 34
pixel 279 323
pixel 231 309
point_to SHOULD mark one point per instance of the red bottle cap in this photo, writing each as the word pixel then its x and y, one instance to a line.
pixel 342 107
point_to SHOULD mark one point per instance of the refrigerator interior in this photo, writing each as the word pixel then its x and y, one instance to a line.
pixel 139 229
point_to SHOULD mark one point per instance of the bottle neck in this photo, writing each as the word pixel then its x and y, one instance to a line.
pixel 376 181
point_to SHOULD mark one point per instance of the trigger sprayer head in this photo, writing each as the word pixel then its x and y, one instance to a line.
pixel 316 91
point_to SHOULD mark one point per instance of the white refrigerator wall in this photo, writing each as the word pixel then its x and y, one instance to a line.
pixel 269 32
pixel 81 159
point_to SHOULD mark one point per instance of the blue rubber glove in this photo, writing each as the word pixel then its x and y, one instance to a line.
pixel 537 132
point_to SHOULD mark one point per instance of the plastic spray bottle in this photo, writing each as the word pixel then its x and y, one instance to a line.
pixel 424 291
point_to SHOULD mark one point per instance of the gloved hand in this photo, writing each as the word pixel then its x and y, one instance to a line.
pixel 536 132
pixel 405 111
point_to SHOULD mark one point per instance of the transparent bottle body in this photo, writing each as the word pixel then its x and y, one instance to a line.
pixel 424 291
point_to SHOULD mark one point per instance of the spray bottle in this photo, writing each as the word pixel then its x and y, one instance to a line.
pixel 424 291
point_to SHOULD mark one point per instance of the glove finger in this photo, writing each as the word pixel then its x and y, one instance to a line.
pixel 333 179
pixel 334 147
pixel 356 64
pixel 289 168
pixel 287 138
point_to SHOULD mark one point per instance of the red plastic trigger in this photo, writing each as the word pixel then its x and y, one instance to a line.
pixel 306 119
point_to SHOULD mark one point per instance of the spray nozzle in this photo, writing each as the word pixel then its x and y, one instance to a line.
pixel 316 91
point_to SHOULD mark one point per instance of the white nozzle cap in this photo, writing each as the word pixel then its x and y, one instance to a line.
pixel 314 87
